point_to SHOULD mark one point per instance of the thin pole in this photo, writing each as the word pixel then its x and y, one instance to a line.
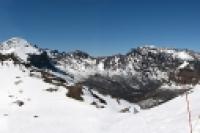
pixel 189 113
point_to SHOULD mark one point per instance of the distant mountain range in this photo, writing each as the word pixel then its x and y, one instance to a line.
pixel 146 76
pixel 143 91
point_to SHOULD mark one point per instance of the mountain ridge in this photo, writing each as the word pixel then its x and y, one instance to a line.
pixel 138 76
pixel 21 42
pixel 142 91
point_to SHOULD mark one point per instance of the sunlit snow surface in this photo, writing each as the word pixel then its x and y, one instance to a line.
pixel 45 112
pixel 183 55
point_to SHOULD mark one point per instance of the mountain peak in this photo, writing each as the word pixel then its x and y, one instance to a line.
pixel 15 40
pixel 79 54
pixel 19 46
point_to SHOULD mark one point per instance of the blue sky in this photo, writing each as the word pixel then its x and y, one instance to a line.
pixel 102 27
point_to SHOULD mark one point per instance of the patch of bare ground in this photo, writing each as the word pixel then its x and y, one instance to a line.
pixel 75 92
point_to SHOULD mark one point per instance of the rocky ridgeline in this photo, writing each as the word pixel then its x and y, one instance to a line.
pixel 147 76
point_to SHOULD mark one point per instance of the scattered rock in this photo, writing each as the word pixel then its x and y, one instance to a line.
pixel 52 89
pixel 10 96
pixel 75 92
pixel 97 106
pixel 101 100
pixel 35 116
pixel 18 82
pixel 125 110
pixel 135 111
pixel 5 114
pixel 19 103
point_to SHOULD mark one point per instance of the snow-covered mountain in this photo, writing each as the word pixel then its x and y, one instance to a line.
pixel 19 47
pixel 50 91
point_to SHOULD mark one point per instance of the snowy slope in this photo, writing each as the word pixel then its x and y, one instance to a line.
pixel 183 55
pixel 31 104
pixel 53 112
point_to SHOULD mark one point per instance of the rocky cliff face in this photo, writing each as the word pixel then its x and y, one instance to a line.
pixel 148 76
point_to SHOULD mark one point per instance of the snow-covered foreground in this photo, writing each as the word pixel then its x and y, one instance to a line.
pixel 53 112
